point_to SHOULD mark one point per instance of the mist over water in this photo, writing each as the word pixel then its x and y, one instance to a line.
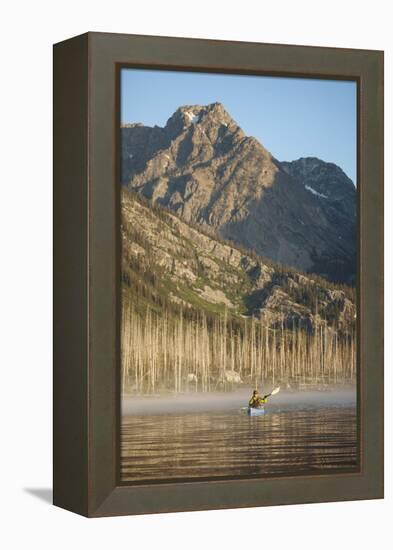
pixel 233 401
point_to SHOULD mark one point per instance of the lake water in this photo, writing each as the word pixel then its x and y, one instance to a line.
pixel 219 444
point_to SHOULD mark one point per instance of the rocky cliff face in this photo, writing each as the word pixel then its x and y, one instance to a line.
pixel 202 166
pixel 166 260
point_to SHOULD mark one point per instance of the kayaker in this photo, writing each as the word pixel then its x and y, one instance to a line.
pixel 256 401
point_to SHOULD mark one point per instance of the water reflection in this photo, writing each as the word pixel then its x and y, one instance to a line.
pixel 231 445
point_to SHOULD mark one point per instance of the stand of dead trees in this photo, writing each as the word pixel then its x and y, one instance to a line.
pixel 183 352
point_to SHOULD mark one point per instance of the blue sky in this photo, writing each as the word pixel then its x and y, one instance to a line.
pixel 291 117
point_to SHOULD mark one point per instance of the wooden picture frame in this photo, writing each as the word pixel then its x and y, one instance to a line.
pixel 86 271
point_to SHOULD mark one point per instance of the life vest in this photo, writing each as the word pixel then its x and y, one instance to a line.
pixel 256 402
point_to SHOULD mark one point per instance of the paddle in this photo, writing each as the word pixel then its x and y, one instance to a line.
pixel 273 392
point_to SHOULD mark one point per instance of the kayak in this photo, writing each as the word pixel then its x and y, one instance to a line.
pixel 260 411
pixel 256 412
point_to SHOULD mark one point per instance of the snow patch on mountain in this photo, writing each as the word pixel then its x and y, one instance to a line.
pixel 192 117
pixel 316 192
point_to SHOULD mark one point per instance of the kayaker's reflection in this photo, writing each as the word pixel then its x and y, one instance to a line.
pixel 256 401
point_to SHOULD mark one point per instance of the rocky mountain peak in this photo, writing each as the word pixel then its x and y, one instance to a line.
pixel 328 178
pixel 203 167
pixel 206 116
pixel 330 185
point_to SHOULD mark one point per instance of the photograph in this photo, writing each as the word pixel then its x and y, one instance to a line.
pixel 238 291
